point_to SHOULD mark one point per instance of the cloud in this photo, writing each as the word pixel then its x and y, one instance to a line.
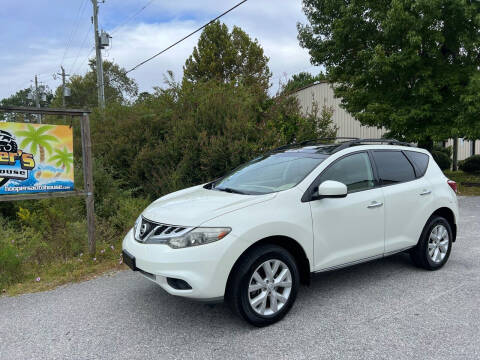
pixel 161 23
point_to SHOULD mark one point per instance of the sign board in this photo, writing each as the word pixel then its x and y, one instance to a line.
pixel 35 158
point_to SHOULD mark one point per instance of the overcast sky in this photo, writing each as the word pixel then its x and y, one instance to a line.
pixel 38 36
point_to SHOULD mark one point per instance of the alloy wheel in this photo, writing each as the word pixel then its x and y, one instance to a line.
pixel 438 243
pixel 270 287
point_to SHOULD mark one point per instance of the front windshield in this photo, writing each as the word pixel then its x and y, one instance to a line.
pixel 267 174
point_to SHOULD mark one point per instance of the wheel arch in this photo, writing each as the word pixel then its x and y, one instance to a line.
pixel 449 215
pixel 291 245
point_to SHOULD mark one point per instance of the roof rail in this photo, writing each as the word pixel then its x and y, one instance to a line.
pixel 357 142
pixel 306 142
pixel 328 139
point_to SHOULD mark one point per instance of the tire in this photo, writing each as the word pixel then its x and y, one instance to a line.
pixel 433 239
pixel 253 262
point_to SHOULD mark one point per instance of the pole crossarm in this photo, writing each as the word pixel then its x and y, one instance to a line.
pixel 44 111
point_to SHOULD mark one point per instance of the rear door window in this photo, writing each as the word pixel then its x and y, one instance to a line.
pixel 419 160
pixel 393 167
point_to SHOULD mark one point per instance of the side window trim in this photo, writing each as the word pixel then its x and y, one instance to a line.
pixel 380 182
pixel 308 193
pixel 418 172
pixel 415 169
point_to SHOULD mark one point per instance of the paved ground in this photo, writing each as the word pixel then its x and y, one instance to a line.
pixel 383 309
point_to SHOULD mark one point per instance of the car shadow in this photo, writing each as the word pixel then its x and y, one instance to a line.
pixel 155 305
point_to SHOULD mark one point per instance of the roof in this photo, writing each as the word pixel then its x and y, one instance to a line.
pixel 330 146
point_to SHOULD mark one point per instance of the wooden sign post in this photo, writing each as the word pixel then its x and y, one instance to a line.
pixel 83 115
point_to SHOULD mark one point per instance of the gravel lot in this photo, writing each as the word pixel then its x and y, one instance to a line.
pixel 386 309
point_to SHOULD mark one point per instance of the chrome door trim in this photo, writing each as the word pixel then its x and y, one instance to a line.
pixel 364 260
pixel 351 263
pixel 398 251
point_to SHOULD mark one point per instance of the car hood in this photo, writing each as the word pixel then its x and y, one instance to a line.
pixel 196 205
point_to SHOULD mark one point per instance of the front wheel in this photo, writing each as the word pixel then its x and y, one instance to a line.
pixel 264 285
pixel 434 246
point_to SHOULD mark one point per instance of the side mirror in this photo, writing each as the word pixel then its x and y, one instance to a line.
pixel 330 189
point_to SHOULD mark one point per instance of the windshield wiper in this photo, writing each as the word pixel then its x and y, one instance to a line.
pixel 230 190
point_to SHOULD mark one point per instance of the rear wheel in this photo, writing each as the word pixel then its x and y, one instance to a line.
pixel 264 285
pixel 433 248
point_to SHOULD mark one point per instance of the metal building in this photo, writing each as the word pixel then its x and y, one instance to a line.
pixel 322 94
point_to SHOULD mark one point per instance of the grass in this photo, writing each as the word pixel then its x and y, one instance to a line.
pixel 49 276
pixel 460 178
pixel 42 277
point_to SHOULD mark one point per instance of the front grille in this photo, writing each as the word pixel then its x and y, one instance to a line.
pixel 148 228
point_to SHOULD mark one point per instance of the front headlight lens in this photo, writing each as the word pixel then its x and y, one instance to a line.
pixel 136 227
pixel 198 236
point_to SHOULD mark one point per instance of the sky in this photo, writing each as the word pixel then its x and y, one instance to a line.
pixel 38 36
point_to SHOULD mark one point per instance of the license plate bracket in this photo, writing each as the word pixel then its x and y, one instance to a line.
pixel 129 260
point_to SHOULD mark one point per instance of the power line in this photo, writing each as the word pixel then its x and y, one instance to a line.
pixel 80 11
pixel 185 37
pixel 83 61
pixel 90 27
pixel 133 16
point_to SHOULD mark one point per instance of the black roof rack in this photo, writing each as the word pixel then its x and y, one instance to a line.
pixel 313 141
pixel 335 147
pixel 357 142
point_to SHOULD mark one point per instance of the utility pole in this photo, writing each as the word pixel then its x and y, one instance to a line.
pixel 63 85
pixel 64 89
pixel 37 99
pixel 100 86
pixel 37 94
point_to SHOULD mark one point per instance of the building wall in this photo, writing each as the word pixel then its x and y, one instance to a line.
pixel 322 94
pixel 464 148
pixel 348 126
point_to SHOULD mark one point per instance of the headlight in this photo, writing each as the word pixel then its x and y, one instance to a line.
pixel 177 237
pixel 136 227
pixel 198 236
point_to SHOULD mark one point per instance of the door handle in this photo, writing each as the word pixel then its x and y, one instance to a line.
pixel 426 192
pixel 374 204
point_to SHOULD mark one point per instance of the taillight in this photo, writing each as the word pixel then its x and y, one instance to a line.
pixel 453 185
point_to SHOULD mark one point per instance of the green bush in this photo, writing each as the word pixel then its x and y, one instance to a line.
pixel 10 257
pixel 10 265
pixel 471 164
pixel 191 133
pixel 447 150
pixel 442 159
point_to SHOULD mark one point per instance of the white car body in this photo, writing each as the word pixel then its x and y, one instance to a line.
pixel 332 232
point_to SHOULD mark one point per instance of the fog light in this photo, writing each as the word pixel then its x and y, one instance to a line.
pixel 178 284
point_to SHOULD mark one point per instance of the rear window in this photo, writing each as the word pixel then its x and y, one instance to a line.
pixel 393 167
pixel 419 160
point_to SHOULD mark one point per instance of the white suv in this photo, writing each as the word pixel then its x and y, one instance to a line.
pixel 254 235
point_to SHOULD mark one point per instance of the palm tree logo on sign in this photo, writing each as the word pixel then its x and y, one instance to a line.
pixel 35 158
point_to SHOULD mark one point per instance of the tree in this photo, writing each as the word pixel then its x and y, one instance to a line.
pixel 23 98
pixel 228 57
pixel 119 88
pixel 63 158
pixel 301 80
pixel 403 64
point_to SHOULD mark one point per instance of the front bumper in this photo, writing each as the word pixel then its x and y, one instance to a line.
pixel 205 268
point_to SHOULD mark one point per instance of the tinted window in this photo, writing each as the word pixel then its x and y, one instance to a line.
pixel 419 160
pixel 393 167
pixel 354 171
